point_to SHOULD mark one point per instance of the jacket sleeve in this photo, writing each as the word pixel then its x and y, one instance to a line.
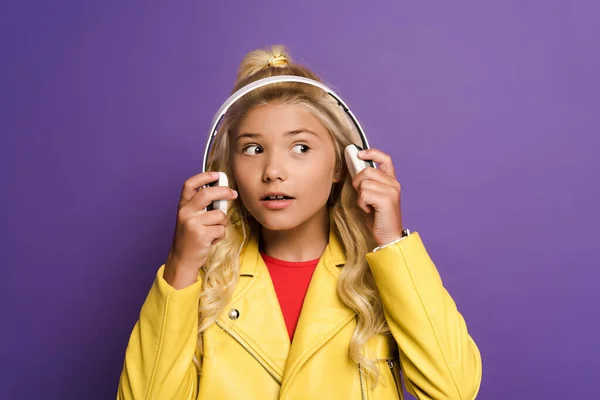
pixel 439 358
pixel 159 357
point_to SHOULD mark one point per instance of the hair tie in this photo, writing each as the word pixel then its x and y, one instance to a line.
pixel 278 61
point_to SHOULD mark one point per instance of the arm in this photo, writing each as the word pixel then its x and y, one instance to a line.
pixel 159 357
pixel 439 358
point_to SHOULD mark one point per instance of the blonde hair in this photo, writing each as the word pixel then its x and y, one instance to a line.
pixel 356 286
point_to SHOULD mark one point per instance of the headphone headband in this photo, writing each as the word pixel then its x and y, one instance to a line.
pixel 268 81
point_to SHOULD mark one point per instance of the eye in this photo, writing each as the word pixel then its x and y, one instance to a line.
pixel 302 148
pixel 252 149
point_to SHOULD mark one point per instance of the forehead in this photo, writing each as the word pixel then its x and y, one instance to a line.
pixel 277 118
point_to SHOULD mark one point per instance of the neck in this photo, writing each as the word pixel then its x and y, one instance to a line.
pixel 305 242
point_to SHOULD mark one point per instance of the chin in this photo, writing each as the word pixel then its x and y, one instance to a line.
pixel 278 222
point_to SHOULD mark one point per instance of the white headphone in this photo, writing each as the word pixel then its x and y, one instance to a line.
pixel 354 164
pixel 269 81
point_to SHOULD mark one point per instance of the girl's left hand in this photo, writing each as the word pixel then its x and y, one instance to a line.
pixel 379 190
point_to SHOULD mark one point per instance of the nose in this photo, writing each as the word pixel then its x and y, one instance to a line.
pixel 274 169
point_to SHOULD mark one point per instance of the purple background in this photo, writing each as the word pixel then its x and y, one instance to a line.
pixel 490 111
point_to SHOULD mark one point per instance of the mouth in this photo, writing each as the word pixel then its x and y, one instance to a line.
pixel 276 201
pixel 276 196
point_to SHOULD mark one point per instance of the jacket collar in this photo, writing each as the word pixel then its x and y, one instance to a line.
pixel 323 313
pixel 249 257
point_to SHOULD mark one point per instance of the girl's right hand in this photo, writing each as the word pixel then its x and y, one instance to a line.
pixel 196 229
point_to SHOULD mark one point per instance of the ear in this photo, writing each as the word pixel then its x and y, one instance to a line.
pixel 337 174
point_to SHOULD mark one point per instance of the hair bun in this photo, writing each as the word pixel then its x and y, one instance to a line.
pixel 279 60
pixel 256 60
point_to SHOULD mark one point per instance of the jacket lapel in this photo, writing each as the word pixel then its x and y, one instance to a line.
pixel 259 323
pixel 323 313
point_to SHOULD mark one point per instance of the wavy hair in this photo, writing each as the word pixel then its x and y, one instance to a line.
pixel 356 286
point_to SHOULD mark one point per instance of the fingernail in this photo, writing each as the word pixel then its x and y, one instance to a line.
pixel 235 193
pixel 214 174
pixel 361 153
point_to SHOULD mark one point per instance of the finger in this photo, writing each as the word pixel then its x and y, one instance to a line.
pixel 207 195
pixel 212 233
pixel 378 187
pixel 206 218
pixel 363 205
pixel 191 186
pixel 376 175
pixel 384 160
pixel 369 200
pixel 377 195
pixel 220 236
pixel 218 233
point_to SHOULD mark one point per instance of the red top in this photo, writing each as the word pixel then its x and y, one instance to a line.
pixel 290 280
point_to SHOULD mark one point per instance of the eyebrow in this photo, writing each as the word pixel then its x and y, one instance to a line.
pixel 289 133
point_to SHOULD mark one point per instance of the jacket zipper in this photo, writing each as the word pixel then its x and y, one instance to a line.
pixel 362 382
pixel 390 363
pixel 235 336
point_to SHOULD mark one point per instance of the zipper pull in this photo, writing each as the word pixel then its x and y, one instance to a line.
pixel 390 363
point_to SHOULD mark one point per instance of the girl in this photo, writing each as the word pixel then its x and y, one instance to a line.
pixel 308 288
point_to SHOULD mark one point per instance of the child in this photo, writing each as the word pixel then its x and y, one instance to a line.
pixel 309 288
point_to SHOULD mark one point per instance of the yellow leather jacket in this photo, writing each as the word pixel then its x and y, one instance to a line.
pixel 248 355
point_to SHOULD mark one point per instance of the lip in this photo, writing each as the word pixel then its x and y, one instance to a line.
pixel 268 194
pixel 277 204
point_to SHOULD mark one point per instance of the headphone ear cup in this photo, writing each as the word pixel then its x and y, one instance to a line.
pixel 355 164
pixel 219 204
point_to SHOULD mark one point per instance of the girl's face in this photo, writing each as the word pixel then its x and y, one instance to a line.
pixel 283 148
